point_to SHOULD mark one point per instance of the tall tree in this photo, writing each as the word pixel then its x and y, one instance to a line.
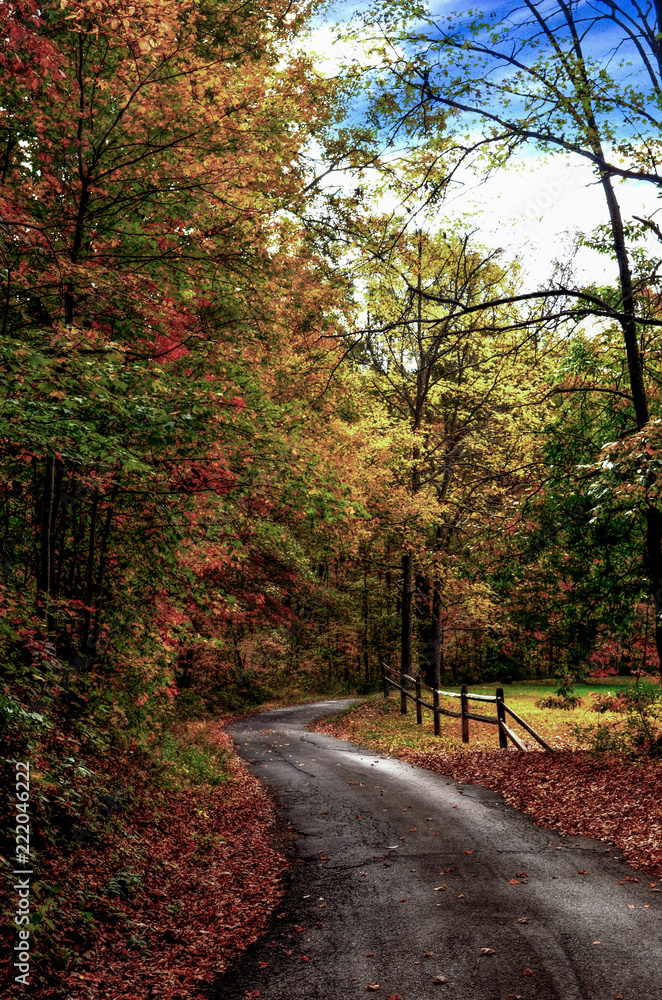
pixel 556 76
pixel 453 377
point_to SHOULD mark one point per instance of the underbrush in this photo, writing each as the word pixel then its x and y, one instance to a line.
pixel 145 829
pixel 137 854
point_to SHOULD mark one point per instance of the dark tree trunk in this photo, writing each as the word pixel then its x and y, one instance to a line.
pixel 89 585
pixel 49 503
pixel 654 566
pixel 438 635
pixel 407 608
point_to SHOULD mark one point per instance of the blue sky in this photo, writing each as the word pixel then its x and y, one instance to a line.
pixel 536 207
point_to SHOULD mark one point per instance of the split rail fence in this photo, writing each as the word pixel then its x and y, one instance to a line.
pixel 502 709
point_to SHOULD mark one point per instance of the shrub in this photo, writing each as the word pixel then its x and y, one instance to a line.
pixel 640 732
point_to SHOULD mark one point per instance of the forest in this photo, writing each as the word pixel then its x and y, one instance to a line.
pixel 273 414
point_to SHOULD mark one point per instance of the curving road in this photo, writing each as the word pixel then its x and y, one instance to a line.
pixel 403 877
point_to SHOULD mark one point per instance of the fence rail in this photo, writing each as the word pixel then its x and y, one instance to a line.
pixel 499 720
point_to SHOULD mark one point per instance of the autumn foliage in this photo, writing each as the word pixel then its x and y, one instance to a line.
pixel 259 435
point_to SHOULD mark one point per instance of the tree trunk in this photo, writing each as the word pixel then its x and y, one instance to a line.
pixel 49 504
pixel 654 567
pixel 438 635
pixel 407 608
pixel 89 586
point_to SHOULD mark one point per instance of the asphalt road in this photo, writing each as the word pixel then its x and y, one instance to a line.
pixel 403 876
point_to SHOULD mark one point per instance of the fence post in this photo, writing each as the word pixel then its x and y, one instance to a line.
pixel 403 694
pixel 419 707
pixel 435 701
pixel 501 716
pixel 385 684
pixel 464 708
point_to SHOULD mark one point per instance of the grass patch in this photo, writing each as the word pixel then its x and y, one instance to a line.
pixel 376 721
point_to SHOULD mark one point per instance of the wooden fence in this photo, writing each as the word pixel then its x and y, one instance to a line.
pixel 505 732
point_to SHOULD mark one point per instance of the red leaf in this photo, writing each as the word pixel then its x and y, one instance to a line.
pixel 528 972
pixel 373 987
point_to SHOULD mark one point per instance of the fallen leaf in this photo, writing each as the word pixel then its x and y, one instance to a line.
pixel 488 951
pixel 515 881
pixel 596 942
pixel 429 954
pixel 460 895
pixel 521 875
pixel 468 852
pixel 369 954
pixel 439 979
pixel 528 972
pixel 304 958
pixel 403 900
pixel 263 965
pixel 394 996
pixel 581 871
pixel 438 888
pixel 299 928
pixel 412 829
pixel 523 920
pixel 373 987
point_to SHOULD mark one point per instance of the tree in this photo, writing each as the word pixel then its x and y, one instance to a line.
pixel 148 269
pixel 454 378
pixel 541 75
